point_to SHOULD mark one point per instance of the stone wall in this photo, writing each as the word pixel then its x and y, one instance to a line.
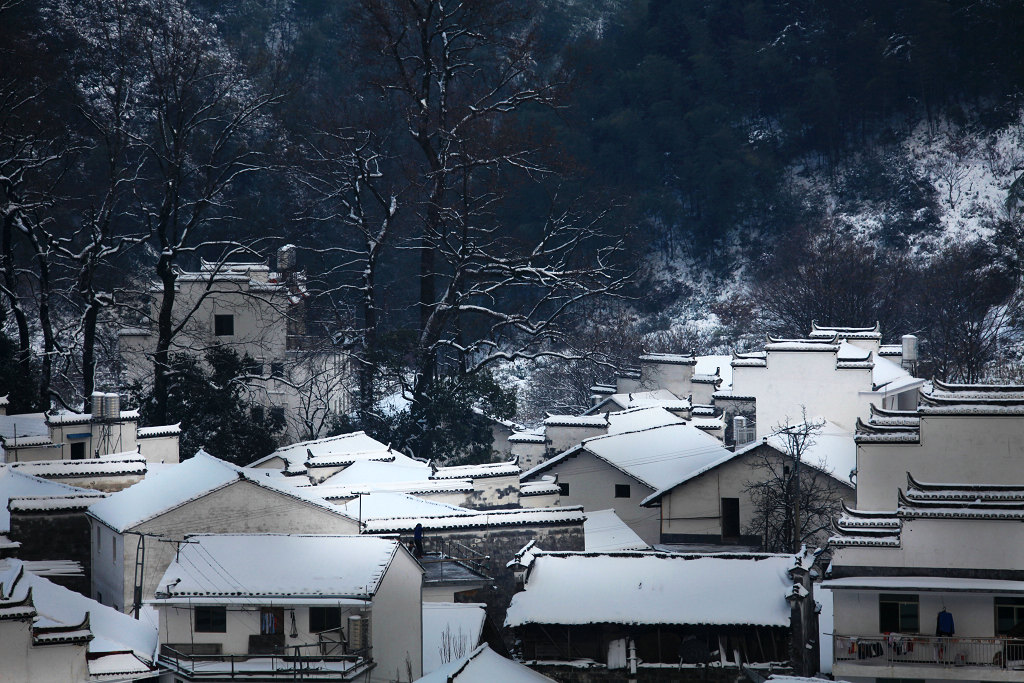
pixel 56 535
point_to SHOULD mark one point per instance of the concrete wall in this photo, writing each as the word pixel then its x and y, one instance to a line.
pixel 561 438
pixel 953 449
pixel 107 562
pixel 592 484
pixel 945 543
pixel 494 492
pixel 21 661
pixel 856 612
pixel 545 500
pixel 530 454
pixel 159 448
pixel 694 508
pixel 672 376
pixel 811 379
pixel 396 628
pixel 241 507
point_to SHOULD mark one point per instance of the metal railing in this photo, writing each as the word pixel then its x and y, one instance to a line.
pixel 909 649
pixel 292 665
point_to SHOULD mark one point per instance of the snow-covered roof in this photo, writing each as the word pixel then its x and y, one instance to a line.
pixel 599 420
pixel 654 588
pixel 79 501
pixel 68 417
pixel 669 358
pixel 344 459
pixel 374 472
pixel 184 482
pixel 828 332
pixel 890 378
pixel 450 626
pixel 117 643
pixel 659 398
pixel 264 566
pixel 15 484
pixel 23 425
pixel 480 519
pixel 483 665
pixel 159 430
pixel 129 462
pixel 545 486
pixel 297 453
pixel 388 505
pixel 481 471
pixel 527 437
pixel 645 417
pixel 658 457
pixel 605 532
pixel 416 488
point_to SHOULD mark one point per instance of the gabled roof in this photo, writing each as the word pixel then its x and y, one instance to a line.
pixel 483 665
pixel 834 452
pixel 604 532
pixel 297 453
pixel 657 457
pixel 654 588
pixel 15 484
pixel 182 483
pixel 117 643
pixel 254 567
pixel 659 398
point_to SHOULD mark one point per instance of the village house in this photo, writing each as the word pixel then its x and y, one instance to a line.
pixel 262 606
pixel 620 470
pixel 136 532
pixel 66 435
pixel 837 372
pixel 933 590
pixel 960 432
pixel 294 370
pixel 49 634
pixel 646 611
pixel 713 504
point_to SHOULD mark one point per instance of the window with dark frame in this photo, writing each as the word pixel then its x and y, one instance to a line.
pixel 324 618
pixel 563 489
pixel 898 613
pixel 211 619
pixel 224 324
pixel 1009 615
pixel 730 517
pixel 622 490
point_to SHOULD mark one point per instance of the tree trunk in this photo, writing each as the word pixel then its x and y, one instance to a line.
pixel 161 357
pixel 11 284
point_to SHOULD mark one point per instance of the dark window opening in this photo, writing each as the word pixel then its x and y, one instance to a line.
pixel 730 517
pixel 277 369
pixel 622 490
pixel 78 450
pixel 223 325
pixel 277 413
pixel 211 619
pixel 898 613
pixel 1009 616
pixel 563 489
pixel 324 618
pixel 253 366
pixel 257 413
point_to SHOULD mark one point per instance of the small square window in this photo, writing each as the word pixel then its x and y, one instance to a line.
pixel 1009 615
pixel 324 618
pixel 622 490
pixel 563 489
pixel 211 619
pixel 898 613
pixel 277 414
pixel 277 369
pixel 223 325
pixel 78 450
